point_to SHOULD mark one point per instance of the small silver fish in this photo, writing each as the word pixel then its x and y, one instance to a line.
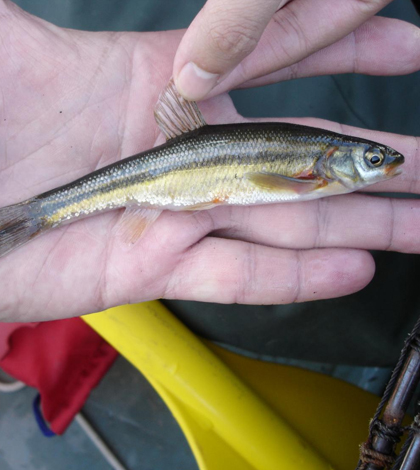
pixel 202 166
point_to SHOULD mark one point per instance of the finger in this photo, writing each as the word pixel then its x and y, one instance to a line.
pixel 381 46
pixel 222 34
pixel 351 221
pixel 295 31
pixel 231 271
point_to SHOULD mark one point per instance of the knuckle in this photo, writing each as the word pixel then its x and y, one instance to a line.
pixel 293 71
pixel 287 21
pixel 296 295
pixel 415 184
pixel 233 40
pixel 245 288
pixel 322 215
pixel 371 5
pixel 391 234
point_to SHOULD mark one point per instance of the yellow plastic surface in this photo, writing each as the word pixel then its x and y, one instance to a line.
pixel 239 413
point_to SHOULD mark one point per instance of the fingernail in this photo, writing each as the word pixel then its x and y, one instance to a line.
pixel 195 83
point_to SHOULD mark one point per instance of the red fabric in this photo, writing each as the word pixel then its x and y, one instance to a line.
pixel 63 359
pixel 6 330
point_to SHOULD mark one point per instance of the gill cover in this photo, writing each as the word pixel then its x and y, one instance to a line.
pixel 340 166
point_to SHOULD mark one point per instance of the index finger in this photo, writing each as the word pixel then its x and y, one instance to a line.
pixel 222 34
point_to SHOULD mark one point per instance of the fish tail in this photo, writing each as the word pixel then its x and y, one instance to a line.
pixel 19 223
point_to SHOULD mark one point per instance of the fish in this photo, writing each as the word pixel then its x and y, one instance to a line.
pixel 203 166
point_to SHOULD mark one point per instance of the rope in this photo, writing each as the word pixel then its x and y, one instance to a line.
pixel 10 387
pixel 377 428
pixel 370 456
pixel 389 433
pixel 99 443
pixel 396 372
pixel 413 429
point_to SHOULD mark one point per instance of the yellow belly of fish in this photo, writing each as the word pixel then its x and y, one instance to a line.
pixel 193 189
pixel 203 188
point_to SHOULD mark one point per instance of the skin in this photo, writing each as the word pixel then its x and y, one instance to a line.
pixel 235 42
pixel 74 101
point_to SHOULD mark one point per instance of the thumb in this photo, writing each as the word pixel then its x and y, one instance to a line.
pixel 219 38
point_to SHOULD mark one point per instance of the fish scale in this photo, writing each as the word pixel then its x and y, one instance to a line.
pixel 204 166
pixel 198 167
pixel 151 177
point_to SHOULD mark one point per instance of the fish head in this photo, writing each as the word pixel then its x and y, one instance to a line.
pixel 358 165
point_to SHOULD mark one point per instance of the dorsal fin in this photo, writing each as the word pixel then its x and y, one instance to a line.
pixel 175 115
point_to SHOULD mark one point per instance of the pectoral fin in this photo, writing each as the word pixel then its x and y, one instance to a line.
pixel 135 221
pixel 202 206
pixel 276 182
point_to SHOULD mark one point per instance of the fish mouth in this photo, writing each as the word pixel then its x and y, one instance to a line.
pixel 393 165
pixel 394 172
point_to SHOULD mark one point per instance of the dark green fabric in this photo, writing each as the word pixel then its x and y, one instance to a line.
pixel 366 328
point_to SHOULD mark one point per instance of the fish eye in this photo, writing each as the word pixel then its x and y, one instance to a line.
pixel 375 157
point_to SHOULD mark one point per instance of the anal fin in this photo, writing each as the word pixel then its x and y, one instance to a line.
pixel 135 222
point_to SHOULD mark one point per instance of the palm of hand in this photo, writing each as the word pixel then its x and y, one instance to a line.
pixel 75 101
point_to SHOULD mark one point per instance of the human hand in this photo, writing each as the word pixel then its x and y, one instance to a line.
pixel 74 101
pixel 252 42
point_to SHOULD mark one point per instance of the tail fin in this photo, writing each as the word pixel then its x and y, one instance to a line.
pixel 19 223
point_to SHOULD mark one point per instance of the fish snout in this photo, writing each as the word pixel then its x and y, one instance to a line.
pixel 392 164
